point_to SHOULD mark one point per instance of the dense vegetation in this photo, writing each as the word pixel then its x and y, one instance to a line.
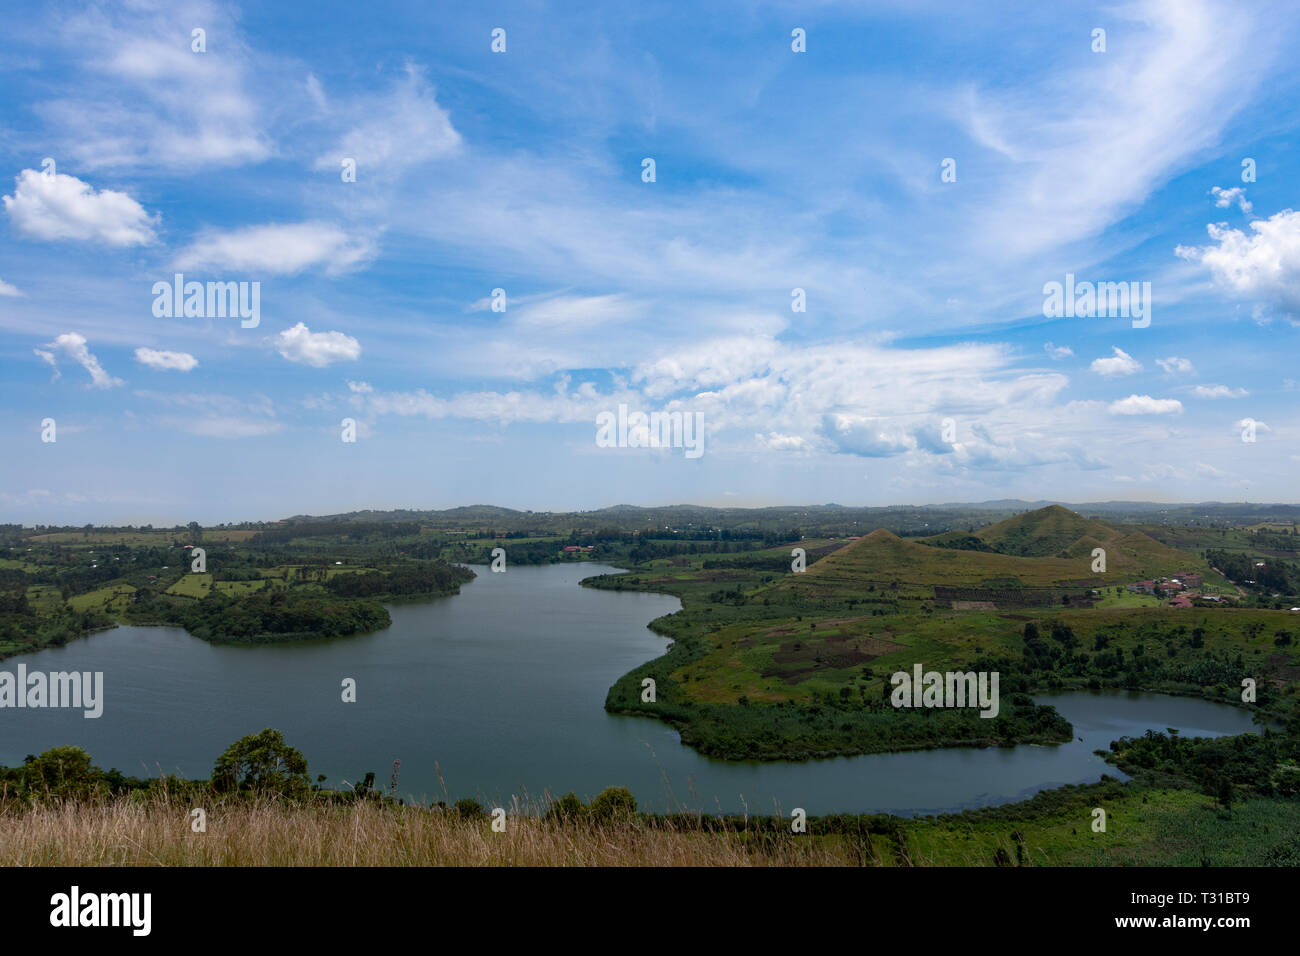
pixel 767 664
pixel 1193 803
pixel 261 587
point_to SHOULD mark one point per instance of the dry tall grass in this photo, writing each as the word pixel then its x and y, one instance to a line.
pixel 157 832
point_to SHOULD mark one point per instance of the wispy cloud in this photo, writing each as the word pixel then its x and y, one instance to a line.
pixel 73 345
pixel 166 361
pixel 1218 391
pixel 279 249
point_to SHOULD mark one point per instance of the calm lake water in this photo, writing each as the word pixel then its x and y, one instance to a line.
pixel 503 686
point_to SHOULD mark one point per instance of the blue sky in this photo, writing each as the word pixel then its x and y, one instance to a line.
pixel 476 170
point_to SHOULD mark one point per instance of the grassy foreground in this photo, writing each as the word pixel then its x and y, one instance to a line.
pixel 1145 827
pixel 121 832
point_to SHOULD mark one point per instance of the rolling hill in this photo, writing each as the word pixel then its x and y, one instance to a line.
pixel 1051 548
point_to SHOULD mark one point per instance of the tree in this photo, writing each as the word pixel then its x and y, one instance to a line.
pixel 264 764
pixel 613 803
pixel 196 530
pixel 567 808
pixel 61 772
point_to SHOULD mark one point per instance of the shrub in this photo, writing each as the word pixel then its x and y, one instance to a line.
pixel 613 803
pixel 567 808
pixel 469 808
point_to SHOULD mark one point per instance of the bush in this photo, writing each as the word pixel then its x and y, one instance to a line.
pixel 469 808
pixel 567 808
pixel 613 803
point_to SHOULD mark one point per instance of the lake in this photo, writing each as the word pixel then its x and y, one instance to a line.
pixel 503 686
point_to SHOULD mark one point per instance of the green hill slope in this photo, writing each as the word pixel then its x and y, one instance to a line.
pixel 1048 548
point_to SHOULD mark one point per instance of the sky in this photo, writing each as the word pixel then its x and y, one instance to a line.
pixel 839 262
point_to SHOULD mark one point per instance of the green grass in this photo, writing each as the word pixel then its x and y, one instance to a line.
pixel 229 588
pixel 195 585
pixel 1127 598
pixel 1144 827
pixel 112 599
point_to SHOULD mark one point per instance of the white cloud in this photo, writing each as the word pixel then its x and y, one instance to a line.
pixel 847 398
pixel 1264 266
pixel 360 388
pixel 49 359
pixel 166 361
pixel 9 290
pixel 219 426
pixel 1146 405
pixel 1058 352
pixel 1177 85
pixel 867 437
pixel 1174 364
pixel 576 314
pixel 1223 198
pixel 318 349
pixel 278 248
pixel 64 207
pixel 73 345
pixel 1219 391
pixel 401 128
pixel 139 96
pixel 1121 363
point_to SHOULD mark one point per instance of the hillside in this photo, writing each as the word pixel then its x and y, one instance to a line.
pixel 1049 549
pixel 1046 532
pixel 1061 533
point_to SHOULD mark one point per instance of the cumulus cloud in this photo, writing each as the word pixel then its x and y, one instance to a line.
pixel 1219 391
pixel 847 398
pixel 282 249
pixel 1174 364
pixel 1058 352
pixel 166 361
pixel 1146 405
pixel 1121 363
pixel 1264 266
pixel 318 349
pixel 1223 198
pixel 73 345
pixel 867 437
pixel 58 206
